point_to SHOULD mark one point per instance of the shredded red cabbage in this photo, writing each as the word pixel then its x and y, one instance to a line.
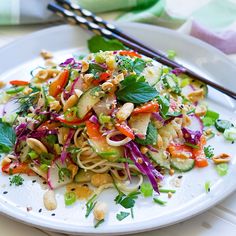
pixel 93 119
pixel 178 71
pixel 158 117
pixel 152 148
pixel 72 63
pixel 191 136
pixel 145 166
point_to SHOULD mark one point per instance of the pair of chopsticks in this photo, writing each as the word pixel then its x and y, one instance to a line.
pixel 74 14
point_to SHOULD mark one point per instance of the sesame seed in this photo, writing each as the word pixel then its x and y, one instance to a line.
pixel 180 176
pixel 40 210
pixel 34 181
pixel 53 214
pixel 5 192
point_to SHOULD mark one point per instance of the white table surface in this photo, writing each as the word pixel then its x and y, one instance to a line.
pixel 220 220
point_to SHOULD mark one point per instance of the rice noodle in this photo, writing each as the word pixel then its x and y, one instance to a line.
pixel 116 143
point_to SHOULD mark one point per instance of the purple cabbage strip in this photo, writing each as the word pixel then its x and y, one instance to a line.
pixel 191 136
pixel 71 62
pixel 152 148
pixel 178 71
pixel 73 85
pixel 67 143
pixel 158 117
pixel 146 166
pixel 93 119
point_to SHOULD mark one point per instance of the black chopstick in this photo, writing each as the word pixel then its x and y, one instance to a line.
pixel 72 18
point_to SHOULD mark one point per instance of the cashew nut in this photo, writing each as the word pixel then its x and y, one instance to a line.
pixel 36 145
pixel 72 100
pixel 49 200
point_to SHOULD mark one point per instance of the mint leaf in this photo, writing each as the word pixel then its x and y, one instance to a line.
pixel 97 43
pixel 138 65
pixel 135 91
pixel 151 136
pixel 164 103
pixel 7 137
pixel 95 69
pixel 122 215
pixel 124 63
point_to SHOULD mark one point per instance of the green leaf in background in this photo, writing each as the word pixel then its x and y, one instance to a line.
pixel 97 43
pixel 7 137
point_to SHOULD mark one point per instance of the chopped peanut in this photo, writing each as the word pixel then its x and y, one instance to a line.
pixel 222 158
pixel 100 210
pixel 196 95
pixel 101 179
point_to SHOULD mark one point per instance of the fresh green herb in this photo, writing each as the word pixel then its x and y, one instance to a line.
pixel 122 215
pixel 230 134
pixel 95 69
pixel 171 54
pixel 69 198
pixel 132 212
pixel 97 43
pixel 127 201
pixel 135 91
pixel 63 172
pixel 46 158
pixel 207 186
pixel 99 223
pixel 222 169
pixel 222 125
pixel 184 82
pixel 138 65
pixel 7 137
pixel 16 180
pixel 164 102
pixel 90 205
pixel 210 118
pixel 209 151
pixel 51 139
pixel 161 190
pixel 44 167
pixel 151 136
pixel 158 201
pixel 146 189
pixel 125 63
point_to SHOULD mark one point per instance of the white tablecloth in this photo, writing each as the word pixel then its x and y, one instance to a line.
pixel 220 220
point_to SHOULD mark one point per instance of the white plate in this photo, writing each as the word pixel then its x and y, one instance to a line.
pixel 18 58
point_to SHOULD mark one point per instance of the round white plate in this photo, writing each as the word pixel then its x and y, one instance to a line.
pixel 18 59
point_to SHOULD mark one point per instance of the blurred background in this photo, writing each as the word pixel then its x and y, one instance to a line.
pixel 213 21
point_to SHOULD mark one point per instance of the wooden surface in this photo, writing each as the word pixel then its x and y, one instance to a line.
pixel 220 220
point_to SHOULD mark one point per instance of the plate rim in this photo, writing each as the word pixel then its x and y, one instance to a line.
pixel 6 211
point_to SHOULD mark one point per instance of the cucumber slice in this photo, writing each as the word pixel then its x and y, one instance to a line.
pixel 170 82
pixel 182 165
pixel 222 125
pixel 88 100
pixel 152 74
pixel 103 149
pixel 161 159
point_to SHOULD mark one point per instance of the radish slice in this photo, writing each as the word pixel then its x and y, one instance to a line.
pixel 196 123
pixel 53 177
pixel 105 106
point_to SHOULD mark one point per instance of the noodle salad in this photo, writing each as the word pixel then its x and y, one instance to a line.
pixel 105 119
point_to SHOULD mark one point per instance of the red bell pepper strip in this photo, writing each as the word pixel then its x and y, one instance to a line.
pixel 17 168
pixel 201 162
pixel 125 129
pixel 104 76
pixel 130 53
pixel 19 82
pixel 180 151
pixel 146 108
pixel 93 130
pixel 57 86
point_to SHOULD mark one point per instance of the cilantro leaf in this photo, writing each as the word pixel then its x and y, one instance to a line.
pixel 135 91
pixel 95 69
pixel 7 137
pixel 97 43
pixel 209 151
pixel 122 215
pixel 16 180
pixel 151 136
